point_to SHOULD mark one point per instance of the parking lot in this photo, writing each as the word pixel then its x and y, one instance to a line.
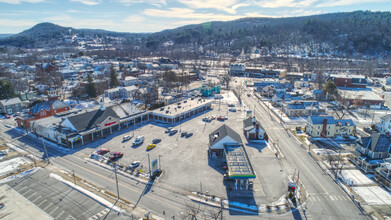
pixel 185 161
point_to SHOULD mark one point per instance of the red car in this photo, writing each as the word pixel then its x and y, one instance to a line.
pixel 221 118
pixel 116 156
pixel 102 151
pixel 7 116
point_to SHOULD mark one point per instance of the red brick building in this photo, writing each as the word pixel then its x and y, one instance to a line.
pixel 42 110
pixel 349 81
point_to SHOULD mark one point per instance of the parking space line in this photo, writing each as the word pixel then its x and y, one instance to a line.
pixel 48 206
pixel 26 192
pixel 59 215
pixel 332 198
pixel 36 199
pixel 43 201
pixel 30 196
pixel 53 211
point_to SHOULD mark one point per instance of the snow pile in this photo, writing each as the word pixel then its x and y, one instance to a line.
pixel 88 193
pixel 355 178
pixel 20 175
pixel 10 165
pixel 373 195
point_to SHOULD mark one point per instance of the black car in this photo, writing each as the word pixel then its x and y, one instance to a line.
pixel 183 134
pixel 189 134
pixel 173 131
pixel 157 140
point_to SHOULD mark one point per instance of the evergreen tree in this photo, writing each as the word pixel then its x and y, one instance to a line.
pixel 330 89
pixel 6 89
pixel 91 90
pixel 113 78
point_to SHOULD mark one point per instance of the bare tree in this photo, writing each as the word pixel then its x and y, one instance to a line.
pixel 34 128
pixel 193 211
pixel 335 163
pixel 213 214
pixel 238 91
pixel 227 78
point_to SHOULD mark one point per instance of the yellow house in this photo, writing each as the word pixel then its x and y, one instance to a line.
pixel 327 126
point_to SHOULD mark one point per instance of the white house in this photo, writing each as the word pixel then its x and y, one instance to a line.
pixel 253 129
pixel 130 81
pixel 385 123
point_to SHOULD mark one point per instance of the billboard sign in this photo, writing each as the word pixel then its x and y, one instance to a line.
pixel 155 166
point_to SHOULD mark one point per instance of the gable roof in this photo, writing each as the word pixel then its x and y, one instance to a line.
pixel 248 122
pixel 221 133
pixel 319 119
pixel 345 122
pixel 88 120
pixel 12 101
pixel 377 142
pixel 49 105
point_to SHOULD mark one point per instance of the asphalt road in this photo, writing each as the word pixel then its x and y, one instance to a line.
pixel 326 199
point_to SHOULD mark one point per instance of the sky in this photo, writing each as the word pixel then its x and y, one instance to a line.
pixel 155 15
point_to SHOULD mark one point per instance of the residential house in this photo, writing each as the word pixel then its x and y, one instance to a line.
pixel 328 127
pixel 376 146
pixel 280 97
pixel 10 106
pixel 128 92
pixel 114 93
pixel 385 123
pixel 253 129
pixel 302 109
pixel 42 110
pixel 130 81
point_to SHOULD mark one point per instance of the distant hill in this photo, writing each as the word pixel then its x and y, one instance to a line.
pixel 339 34
pixel 349 34
pixel 49 34
pixel 5 35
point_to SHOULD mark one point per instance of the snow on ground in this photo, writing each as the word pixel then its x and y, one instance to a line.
pixel 88 193
pixel 355 178
pixel 322 151
pixel 80 104
pixel 373 195
pixel 229 97
pixel 20 175
pixel 11 165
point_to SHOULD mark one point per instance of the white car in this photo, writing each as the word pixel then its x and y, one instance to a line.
pixel 127 137
pixel 138 140
pixel 135 164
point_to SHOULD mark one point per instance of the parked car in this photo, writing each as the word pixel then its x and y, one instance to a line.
pixel 232 109
pixel 206 119
pixel 168 129
pixel 138 140
pixel 8 116
pixel 221 118
pixel 173 131
pixel 231 105
pixel 116 156
pixel 189 134
pixel 102 151
pixel 157 140
pixel 134 164
pixel 183 134
pixel 151 146
pixel 127 137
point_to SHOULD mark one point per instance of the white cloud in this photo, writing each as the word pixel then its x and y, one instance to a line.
pixel 336 3
pixel 187 13
pixel 87 2
pixel 285 3
pixel 20 1
pixel 134 19
pixel 16 23
pixel 229 6
pixel 158 3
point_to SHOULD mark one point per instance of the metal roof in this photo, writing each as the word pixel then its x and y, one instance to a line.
pixel 239 166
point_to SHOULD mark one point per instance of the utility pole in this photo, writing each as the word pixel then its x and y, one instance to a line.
pixel 160 168
pixel 201 186
pixel 74 177
pixel 116 180
pixel 46 151
pixel 149 166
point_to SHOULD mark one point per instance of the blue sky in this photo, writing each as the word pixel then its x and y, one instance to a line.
pixel 157 15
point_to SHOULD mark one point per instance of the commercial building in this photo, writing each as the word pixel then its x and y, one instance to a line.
pixel 350 81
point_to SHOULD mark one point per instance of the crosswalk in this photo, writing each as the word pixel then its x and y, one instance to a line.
pixel 99 215
pixel 318 198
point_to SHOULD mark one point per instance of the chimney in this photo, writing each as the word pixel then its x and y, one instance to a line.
pixel 254 121
pixel 102 105
pixel 387 133
pixel 324 131
pixel 256 131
